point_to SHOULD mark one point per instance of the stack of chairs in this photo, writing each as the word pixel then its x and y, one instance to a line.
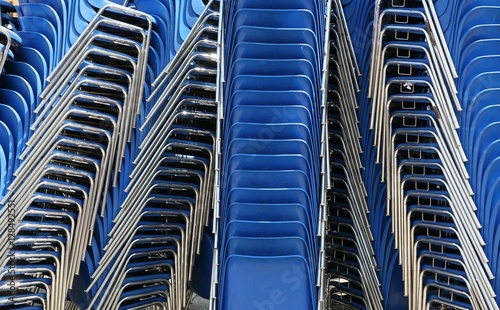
pixel 74 115
pixel 237 149
pixel 79 134
pixel 414 121
pixel 351 267
pixel 175 18
pixel 359 20
pixel 474 43
pixel 23 69
pixel 270 177
pixel 158 228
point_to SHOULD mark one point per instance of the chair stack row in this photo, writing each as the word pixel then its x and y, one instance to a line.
pixel 155 233
pixel 414 121
pixel 268 249
pixel 35 35
pixel 237 149
pixel 27 58
pixel 474 43
pixel 351 265
pixel 38 26
pixel 359 19
pixel 75 117
pixel 82 125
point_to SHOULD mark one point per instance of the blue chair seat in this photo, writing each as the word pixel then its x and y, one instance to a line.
pixel 281 282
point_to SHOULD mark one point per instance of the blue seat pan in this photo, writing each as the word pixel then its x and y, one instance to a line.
pixel 268 279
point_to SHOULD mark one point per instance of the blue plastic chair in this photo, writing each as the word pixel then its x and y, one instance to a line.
pixel 164 26
pixel 76 22
pixel 270 147
pixel 3 170
pixel 474 15
pixel 61 9
pixel 246 66
pixel 273 132
pixel 273 213
pixel 490 223
pixel 482 140
pixel 268 162
pixel 202 269
pixel 269 195
pixel 40 43
pixel 10 118
pixel 478 85
pixel 272 35
pixel 495 258
pixel 194 10
pixel 260 145
pixel 275 18
pixel 27 73
pixel 311 196
pixel 267 246
pixel 476 33
pixel 47 12
pixel 476 66
pixel 273 98
pixel 86 11
pixel 481 100
pixel 257 50
pixel 313 6
pixel 482 118
pixel 477 49
pixel 444 10
pixel 35 59
pixel 7 144
pixel 182 29
pixel 285 83
pixel 272 114
pixel 270 179
pixel 279 19
pixel 265 285
pixel 19 85
pixel 308 220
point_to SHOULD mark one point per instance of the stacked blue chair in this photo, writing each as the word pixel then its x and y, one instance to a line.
pixel 16 104
pixel 415 104
pixel 174 19
pixel 19 87
pixel 270 179
pixel 155 149
pixel 475 49
pixel 75 78
pixel 359 20
pixel 82 125
pixel 158 228
pixel 351 267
